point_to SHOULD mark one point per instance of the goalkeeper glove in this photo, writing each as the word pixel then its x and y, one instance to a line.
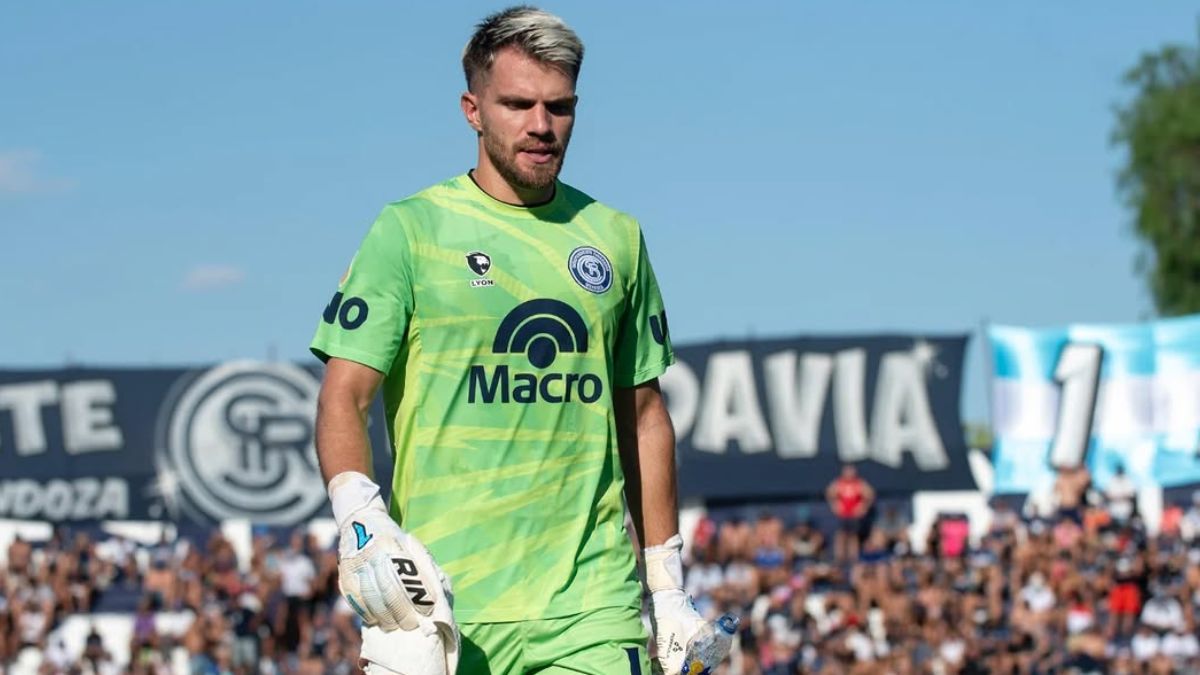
pixel 686 643
pixel 390 579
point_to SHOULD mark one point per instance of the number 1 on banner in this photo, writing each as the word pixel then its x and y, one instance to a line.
pixel 1078 374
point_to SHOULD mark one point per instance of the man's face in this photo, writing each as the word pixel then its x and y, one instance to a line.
pixel 524 111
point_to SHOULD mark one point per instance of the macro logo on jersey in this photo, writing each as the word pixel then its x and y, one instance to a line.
pixel 591 269
pixel 237 442
pixel 540 330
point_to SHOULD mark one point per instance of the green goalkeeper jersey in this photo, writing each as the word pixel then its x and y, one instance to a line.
pixel 501 332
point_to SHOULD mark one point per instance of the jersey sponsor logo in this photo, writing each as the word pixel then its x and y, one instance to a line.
pixel 658 327
pixel 590 269
pixel 541 330
pixel 350 312
pixel 237 442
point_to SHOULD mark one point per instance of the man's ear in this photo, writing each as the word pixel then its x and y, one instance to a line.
pixel 470 107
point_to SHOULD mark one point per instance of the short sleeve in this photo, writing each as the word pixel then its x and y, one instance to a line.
pixel 368 316
pixel 644 344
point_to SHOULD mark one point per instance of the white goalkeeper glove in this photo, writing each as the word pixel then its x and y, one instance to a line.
pixel 390 579
pixel 686 643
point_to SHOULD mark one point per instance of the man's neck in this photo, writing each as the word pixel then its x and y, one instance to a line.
pixel 490 181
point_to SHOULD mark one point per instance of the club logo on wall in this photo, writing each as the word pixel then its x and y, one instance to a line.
pixel 237 442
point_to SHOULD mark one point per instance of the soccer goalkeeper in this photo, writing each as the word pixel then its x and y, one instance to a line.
pixel 517 330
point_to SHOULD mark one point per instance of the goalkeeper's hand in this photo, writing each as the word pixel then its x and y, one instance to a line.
pixel 684 640
pixel 388 576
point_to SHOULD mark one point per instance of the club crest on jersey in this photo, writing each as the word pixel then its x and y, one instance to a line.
pixel 480 263
pixel 591 269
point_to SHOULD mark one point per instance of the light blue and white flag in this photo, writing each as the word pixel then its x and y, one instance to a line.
pixel 1107 395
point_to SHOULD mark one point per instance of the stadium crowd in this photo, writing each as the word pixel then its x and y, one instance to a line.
pixel 1082 589
pixel 283 614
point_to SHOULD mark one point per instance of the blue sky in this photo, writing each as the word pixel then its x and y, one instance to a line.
pixel 185 182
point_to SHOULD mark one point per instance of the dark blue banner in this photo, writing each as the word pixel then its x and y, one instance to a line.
pixel 760 419
pixel 197 445
pixel 777 418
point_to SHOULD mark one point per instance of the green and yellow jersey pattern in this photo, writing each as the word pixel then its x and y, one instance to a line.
pixel 501 332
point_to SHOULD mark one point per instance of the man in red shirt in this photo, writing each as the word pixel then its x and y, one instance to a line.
pixel 850 497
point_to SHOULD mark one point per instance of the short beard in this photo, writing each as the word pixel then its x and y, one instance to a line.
pixel 539 177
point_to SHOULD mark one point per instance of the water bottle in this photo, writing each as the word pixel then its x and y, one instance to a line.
pixel 710 646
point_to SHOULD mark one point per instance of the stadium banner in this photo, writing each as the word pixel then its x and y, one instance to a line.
pixel 1103 395
pixel 191 445
pixel 777 418
pixel 757 419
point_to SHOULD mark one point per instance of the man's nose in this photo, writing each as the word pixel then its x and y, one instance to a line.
pixel 539 122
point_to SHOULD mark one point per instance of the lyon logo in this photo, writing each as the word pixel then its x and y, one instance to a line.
pixel 239 442
pixel 479 262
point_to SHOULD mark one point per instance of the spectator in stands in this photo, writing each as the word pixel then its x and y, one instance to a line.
pixel 1145 644
pixel 704 580
pixel 1181 646
pixel 204 639
pixel 7 627
pixel 145 637
pixel 1080 614
pixel 221 573
pixel 733 540
pixel 772 559
pixel 808 544
pixel 1070 487
pixel 1005 520
pixel 33 621
pixel 1120 496
pixel 161 583
pixel 96 660
pixel 1189 527
pixel 19 555
pixel 849 497
pixel 1124 598
pixel 247 619
pixel 1163 612
pixel 297 573
pixel 893 525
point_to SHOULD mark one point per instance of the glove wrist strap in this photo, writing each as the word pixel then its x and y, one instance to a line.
pixel 664 565
pixel 349 492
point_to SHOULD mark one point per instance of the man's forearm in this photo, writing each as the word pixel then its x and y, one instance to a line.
pixel 647 442
pixel 660 503
pixel 342 442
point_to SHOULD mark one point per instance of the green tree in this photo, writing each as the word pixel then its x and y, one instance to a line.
pixel 1159 129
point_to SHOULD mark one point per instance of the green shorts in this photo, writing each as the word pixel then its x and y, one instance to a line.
pixel 608 641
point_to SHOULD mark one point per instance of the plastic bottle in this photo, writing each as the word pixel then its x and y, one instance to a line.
pixel 710 647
